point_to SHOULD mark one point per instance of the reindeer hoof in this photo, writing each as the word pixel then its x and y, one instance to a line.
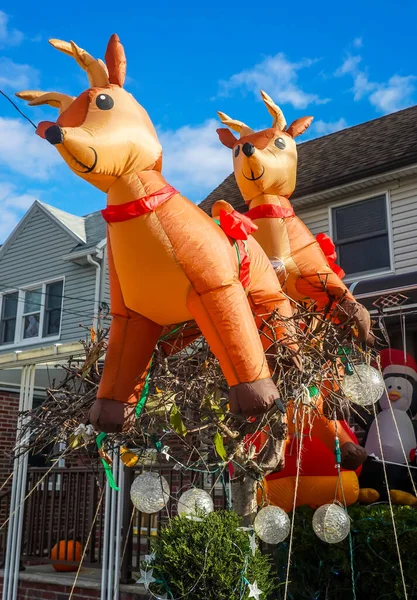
pixel 253 399
pixel 353 456
pixel 111 416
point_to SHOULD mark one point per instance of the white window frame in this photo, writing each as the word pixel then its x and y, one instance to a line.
pixel 367 196
pixel 19 341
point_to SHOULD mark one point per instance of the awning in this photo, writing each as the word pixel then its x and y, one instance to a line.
pixel 388 295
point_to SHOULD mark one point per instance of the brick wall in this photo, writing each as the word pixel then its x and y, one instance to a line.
pixel 9 407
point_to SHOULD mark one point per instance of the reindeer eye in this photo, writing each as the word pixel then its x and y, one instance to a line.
pixel 237 150
pixel 104 102
pixel 280 143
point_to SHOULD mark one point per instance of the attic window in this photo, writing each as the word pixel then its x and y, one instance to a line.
pixel 31 314
pixel 361 235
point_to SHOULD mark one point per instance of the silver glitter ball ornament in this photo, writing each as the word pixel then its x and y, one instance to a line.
pixel 194 501
pixel 331 523
pixel 149 492
pixel 272 524
pixel 365 387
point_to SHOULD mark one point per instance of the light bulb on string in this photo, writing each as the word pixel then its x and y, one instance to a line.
pixel 365 386
pixel 272 525
pixel 331 523
pixel 149 492
pixel 194 501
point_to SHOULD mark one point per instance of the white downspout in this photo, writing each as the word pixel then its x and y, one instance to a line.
pixel 97 292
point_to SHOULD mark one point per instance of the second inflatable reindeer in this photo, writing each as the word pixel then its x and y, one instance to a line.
pixel 265 168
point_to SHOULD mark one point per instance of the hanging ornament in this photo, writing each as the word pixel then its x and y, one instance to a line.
pixel 193 501
pixel 331 523
pixel 149 492
pixel 365 386
pixel 272 525
pixel 129 459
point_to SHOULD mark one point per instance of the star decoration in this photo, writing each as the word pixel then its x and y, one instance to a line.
pixel 254 591
pixel 252 541
pixel 146 578
pixel 150 558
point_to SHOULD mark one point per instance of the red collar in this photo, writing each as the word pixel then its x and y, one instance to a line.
pixel 116 213
pixel 270 211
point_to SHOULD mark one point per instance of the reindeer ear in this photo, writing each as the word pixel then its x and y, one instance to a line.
pixel 227 138
pixel 116 61
pixel 299 126
pixel 55 99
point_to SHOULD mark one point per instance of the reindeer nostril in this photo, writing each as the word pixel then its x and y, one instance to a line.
pixel 54 135
pixel 248 149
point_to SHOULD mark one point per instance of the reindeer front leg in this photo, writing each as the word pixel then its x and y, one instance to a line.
pixel 227 323
pixel 130 347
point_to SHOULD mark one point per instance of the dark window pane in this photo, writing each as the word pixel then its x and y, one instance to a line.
pixel 10 305
pixel 54 295
pixel 361 218
pixel 31 326
pixel 52 322
pixel 365 255
pixel 8 329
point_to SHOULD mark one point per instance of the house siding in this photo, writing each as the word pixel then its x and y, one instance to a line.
pixel 403 207
pixel 35 256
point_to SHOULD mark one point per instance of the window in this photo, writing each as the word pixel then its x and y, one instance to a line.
pixel 31 314
pixel 8 318
pixel 360 232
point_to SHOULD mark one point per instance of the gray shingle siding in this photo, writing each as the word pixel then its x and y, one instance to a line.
pixel 34 256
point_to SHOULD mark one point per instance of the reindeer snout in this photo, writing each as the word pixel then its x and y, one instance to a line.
pixel 54 135
pixel 248 149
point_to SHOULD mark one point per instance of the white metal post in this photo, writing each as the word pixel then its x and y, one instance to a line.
pixel 15 525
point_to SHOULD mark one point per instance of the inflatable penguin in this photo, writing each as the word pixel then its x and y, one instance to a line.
pixel 396 428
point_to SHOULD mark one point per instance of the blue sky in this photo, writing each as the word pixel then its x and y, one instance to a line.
pixel 342 63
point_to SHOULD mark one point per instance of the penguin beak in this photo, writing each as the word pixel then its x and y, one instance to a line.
pixel 394 396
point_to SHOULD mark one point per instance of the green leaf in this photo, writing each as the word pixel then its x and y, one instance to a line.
pixel 175 420
pixel 218 444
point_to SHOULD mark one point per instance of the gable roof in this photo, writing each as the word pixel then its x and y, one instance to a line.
pixel 73 224
pixel 369 149
pixel 87 232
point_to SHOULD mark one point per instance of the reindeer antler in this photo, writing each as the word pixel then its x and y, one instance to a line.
pixel 238 126
pixel 55 99
pixel 274 110
pixel 95 69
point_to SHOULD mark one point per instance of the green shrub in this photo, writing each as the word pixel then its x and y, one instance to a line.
pixel 321 571
pixel 209 557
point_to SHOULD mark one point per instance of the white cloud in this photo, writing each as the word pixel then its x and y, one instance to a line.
pixel 349 66
pixel 325 127
pixel 358 42
pixel 17 77
pixel 194 160
pixel 277 76
pixel 8 35
pixel 390 96
pixel 12 205
pixel 22 151
pixel 397 93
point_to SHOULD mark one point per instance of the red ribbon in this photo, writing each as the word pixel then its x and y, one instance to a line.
pixel 116 213
pixel 329 250
pixel 270 211
pixel 236 225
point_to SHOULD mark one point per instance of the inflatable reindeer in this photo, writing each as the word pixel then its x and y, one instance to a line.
pixel 265 167
pixel 168 261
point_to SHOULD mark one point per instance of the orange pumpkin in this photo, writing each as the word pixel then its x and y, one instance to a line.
pixel 66 550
